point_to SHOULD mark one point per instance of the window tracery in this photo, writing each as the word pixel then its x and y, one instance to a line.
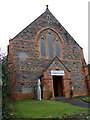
pixel 49 44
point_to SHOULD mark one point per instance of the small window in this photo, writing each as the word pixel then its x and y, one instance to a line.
pixel 57 48
pixel 48 17
pixel 42 47
pixel 50 45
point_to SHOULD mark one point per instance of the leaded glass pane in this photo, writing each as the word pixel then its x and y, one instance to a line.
pixel 57 48
pixel 50 45
pixel 42 47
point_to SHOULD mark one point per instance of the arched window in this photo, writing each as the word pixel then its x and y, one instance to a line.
pixel 57 48
pixel 50 45
pixel 42 47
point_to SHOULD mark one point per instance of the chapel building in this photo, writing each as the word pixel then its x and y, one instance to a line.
pixel 45 50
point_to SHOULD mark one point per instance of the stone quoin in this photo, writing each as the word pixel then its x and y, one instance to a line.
pixel 45 50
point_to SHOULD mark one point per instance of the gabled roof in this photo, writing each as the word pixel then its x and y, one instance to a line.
pixel 45 20
pixel 60 63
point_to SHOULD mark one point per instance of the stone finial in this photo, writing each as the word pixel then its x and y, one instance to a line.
pixel 47 6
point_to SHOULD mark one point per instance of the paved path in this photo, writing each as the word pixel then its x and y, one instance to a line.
pixel 74 101
pixel 77 102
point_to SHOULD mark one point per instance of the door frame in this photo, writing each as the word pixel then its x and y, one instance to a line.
pixel 58 87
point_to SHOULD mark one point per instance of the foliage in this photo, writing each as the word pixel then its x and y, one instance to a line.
pixel 86 99
pixel 5 77
pixel 51 94
pixel 89 69
pixel 6 84
pixel 31 108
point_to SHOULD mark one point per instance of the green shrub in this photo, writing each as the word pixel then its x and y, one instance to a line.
pixel 51 94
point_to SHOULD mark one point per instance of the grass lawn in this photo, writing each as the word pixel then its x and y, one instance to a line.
pixel 32 108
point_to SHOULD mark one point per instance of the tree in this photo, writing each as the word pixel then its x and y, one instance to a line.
pixel 6 72
pixel 89 69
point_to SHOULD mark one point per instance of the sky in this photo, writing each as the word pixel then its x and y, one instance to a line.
pixel 15 15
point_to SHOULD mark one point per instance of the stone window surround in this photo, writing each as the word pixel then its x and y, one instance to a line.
pixel 43 35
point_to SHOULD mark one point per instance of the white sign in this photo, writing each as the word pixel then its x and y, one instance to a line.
pixel 57 72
